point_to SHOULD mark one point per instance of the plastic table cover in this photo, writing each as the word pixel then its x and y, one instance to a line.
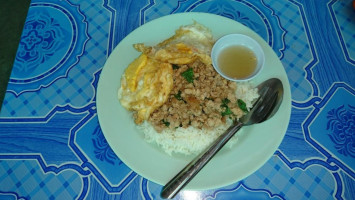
pixel 51 144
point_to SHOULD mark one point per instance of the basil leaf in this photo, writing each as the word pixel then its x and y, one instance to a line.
pixel 188 75
pixel 176 66
pixel 227 112
pixel 242 105
pixel 225 101
pixel 166 123
pixel 178 96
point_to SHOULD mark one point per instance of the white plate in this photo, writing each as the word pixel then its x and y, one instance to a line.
pixel 256 143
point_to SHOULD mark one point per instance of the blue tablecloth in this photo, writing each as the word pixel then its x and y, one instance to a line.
pixel 51 144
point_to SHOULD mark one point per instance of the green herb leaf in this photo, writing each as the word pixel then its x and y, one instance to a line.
pixel 166 123
pixel 227 112
pixel 225 101
pixel 178 96
pixel 176 66
pixel 188 75
pixel 242 105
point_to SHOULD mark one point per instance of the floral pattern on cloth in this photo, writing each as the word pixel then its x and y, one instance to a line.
pixel 341 125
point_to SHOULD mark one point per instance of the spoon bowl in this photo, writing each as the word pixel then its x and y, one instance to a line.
pixel 269 101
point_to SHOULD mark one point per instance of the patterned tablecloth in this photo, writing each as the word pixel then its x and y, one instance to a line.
pixel 51 144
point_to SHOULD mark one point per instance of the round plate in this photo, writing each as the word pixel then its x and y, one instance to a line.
pixel 256 144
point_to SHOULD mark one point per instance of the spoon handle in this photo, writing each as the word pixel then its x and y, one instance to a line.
pixel 188 173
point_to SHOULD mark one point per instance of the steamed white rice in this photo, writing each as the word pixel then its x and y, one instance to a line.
pixel 191 140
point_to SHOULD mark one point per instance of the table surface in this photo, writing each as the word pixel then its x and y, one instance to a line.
pixel 51 144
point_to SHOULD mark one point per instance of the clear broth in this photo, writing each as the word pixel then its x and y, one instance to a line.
pixel 237 61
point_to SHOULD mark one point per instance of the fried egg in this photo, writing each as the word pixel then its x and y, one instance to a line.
pixel 189 43
pixel 145 86
pixel 148 80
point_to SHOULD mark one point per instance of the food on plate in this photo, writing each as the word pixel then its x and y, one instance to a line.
pixel 189 43
pixel 204 100
pixel 145 86
pixel 177 98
